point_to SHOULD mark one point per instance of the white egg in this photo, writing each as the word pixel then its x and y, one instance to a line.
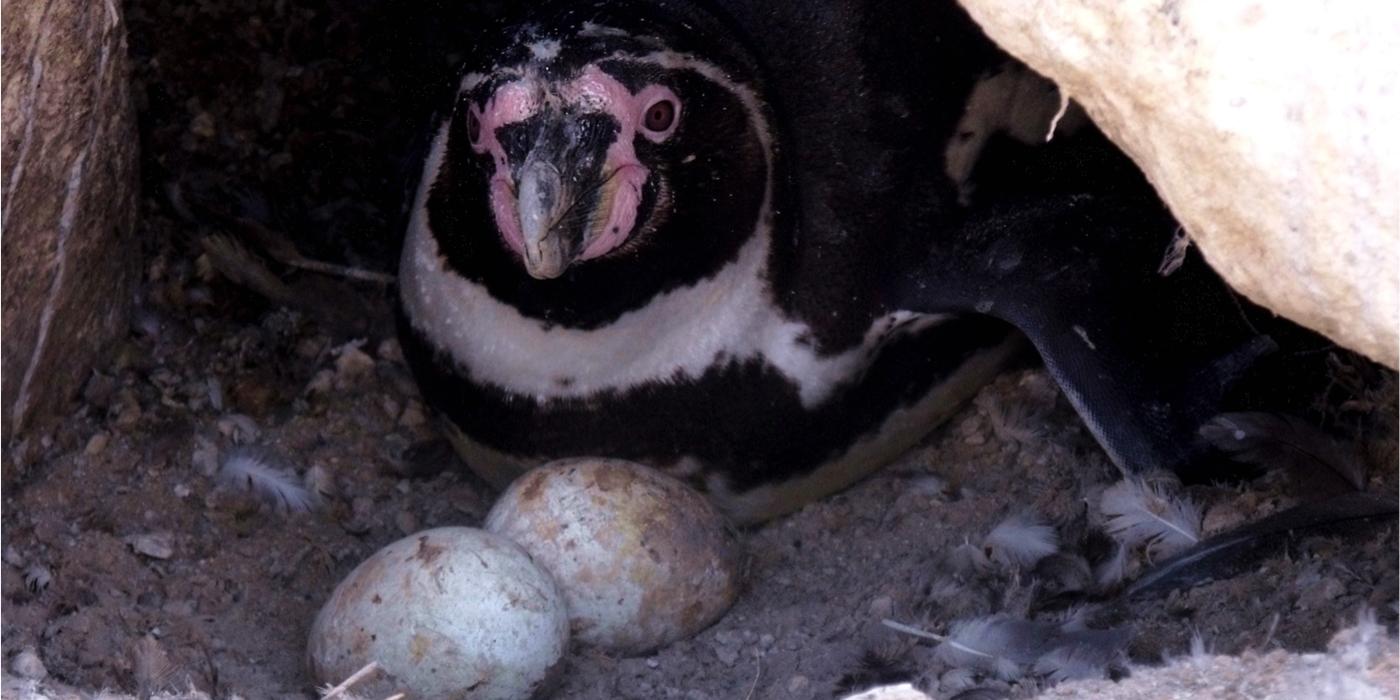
pixel 452 612
pixel 642 559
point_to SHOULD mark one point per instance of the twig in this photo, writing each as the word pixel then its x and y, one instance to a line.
pixel 757 672
pixel 354 678
pixel 354 273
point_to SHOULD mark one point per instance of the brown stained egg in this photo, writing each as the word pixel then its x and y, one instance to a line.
pixel 642 559
pixel 453 612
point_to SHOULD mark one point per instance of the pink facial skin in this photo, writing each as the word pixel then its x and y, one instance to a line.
pixel 592 91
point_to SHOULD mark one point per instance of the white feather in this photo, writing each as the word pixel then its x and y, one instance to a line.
pixel 1111 571
pixel 1142 512
pixel 968 559
pixel 254 471
pixel 1021 540
pixel 1076 661
pixel 995 644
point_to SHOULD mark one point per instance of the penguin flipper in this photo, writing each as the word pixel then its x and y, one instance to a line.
pixel 1144 357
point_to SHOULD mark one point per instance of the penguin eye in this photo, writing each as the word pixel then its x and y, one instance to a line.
pixel 660 115
pixel 473 128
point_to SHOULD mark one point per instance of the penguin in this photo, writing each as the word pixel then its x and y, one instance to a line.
pixel 767 247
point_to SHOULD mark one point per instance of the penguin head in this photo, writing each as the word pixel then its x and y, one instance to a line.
pixel 600 155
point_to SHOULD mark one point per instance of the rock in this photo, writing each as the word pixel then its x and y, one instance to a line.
pixel 69 183
pixel 158 545
pixel 28 665
pixel 1268 128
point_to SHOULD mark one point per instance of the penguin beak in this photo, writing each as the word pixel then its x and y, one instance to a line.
pixel 541 202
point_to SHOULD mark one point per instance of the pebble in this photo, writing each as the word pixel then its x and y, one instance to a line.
pixel 881 607
pixel 351 362
pixel 727 655
pixel 96 444
pixel 28 665
pixel 157 545
pixel 798 685
pixel 413 415
pixel 406 522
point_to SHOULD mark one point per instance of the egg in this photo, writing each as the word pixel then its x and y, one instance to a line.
pixel 452 612
pixel 642 559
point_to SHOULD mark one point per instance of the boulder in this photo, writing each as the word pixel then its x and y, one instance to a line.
pixel 69 202
pixel 1268 128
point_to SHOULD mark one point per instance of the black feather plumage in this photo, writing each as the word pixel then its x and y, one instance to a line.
pixel 1319 464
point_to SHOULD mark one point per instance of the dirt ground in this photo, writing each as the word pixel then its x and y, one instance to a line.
pixel 128 565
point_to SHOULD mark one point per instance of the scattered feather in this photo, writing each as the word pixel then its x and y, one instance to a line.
pixel 1084 653
pixel 1143 512
pixel 1011 421
pixel 1075 662
pixel 1175 254
pixel 238 427
pixel 957 680
pixel 1113 569
pixel 1020 541
pixel 37 578
pixel 1063 572
pixel 877 666
pixel 1199 650
pixel 1319 464
pixel 994 644
pixel 254 471
pixel 151 665
pixel 968 559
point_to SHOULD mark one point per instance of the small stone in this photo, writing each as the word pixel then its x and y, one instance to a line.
pixel 322 383
pixel 413 415
pixel 798 685
pixel 28 665
pixel 882 607
pixel 975 439
pixel 96 444
pixel 310 348
pixel 205 457
pixel 203 125
pixel 389 351
pixel 159 545
pixel 351 363
pixel 653 663
pixel 182 491
pixel 406 522
pixel 765 641
pixel 727 655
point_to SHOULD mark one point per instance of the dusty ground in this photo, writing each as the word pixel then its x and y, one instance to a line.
pixel 129 566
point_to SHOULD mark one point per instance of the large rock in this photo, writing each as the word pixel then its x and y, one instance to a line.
pixel 1270 129
pixel 69 203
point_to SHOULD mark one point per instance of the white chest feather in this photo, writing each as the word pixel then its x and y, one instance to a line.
pixel 680 334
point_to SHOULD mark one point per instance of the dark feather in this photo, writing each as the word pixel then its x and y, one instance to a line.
pixel 1239 550
pixel 1319 464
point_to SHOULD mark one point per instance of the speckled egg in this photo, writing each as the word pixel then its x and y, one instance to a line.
pixel 642 559
pixel 452 612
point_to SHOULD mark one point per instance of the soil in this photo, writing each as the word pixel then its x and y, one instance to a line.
pixel 130 565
